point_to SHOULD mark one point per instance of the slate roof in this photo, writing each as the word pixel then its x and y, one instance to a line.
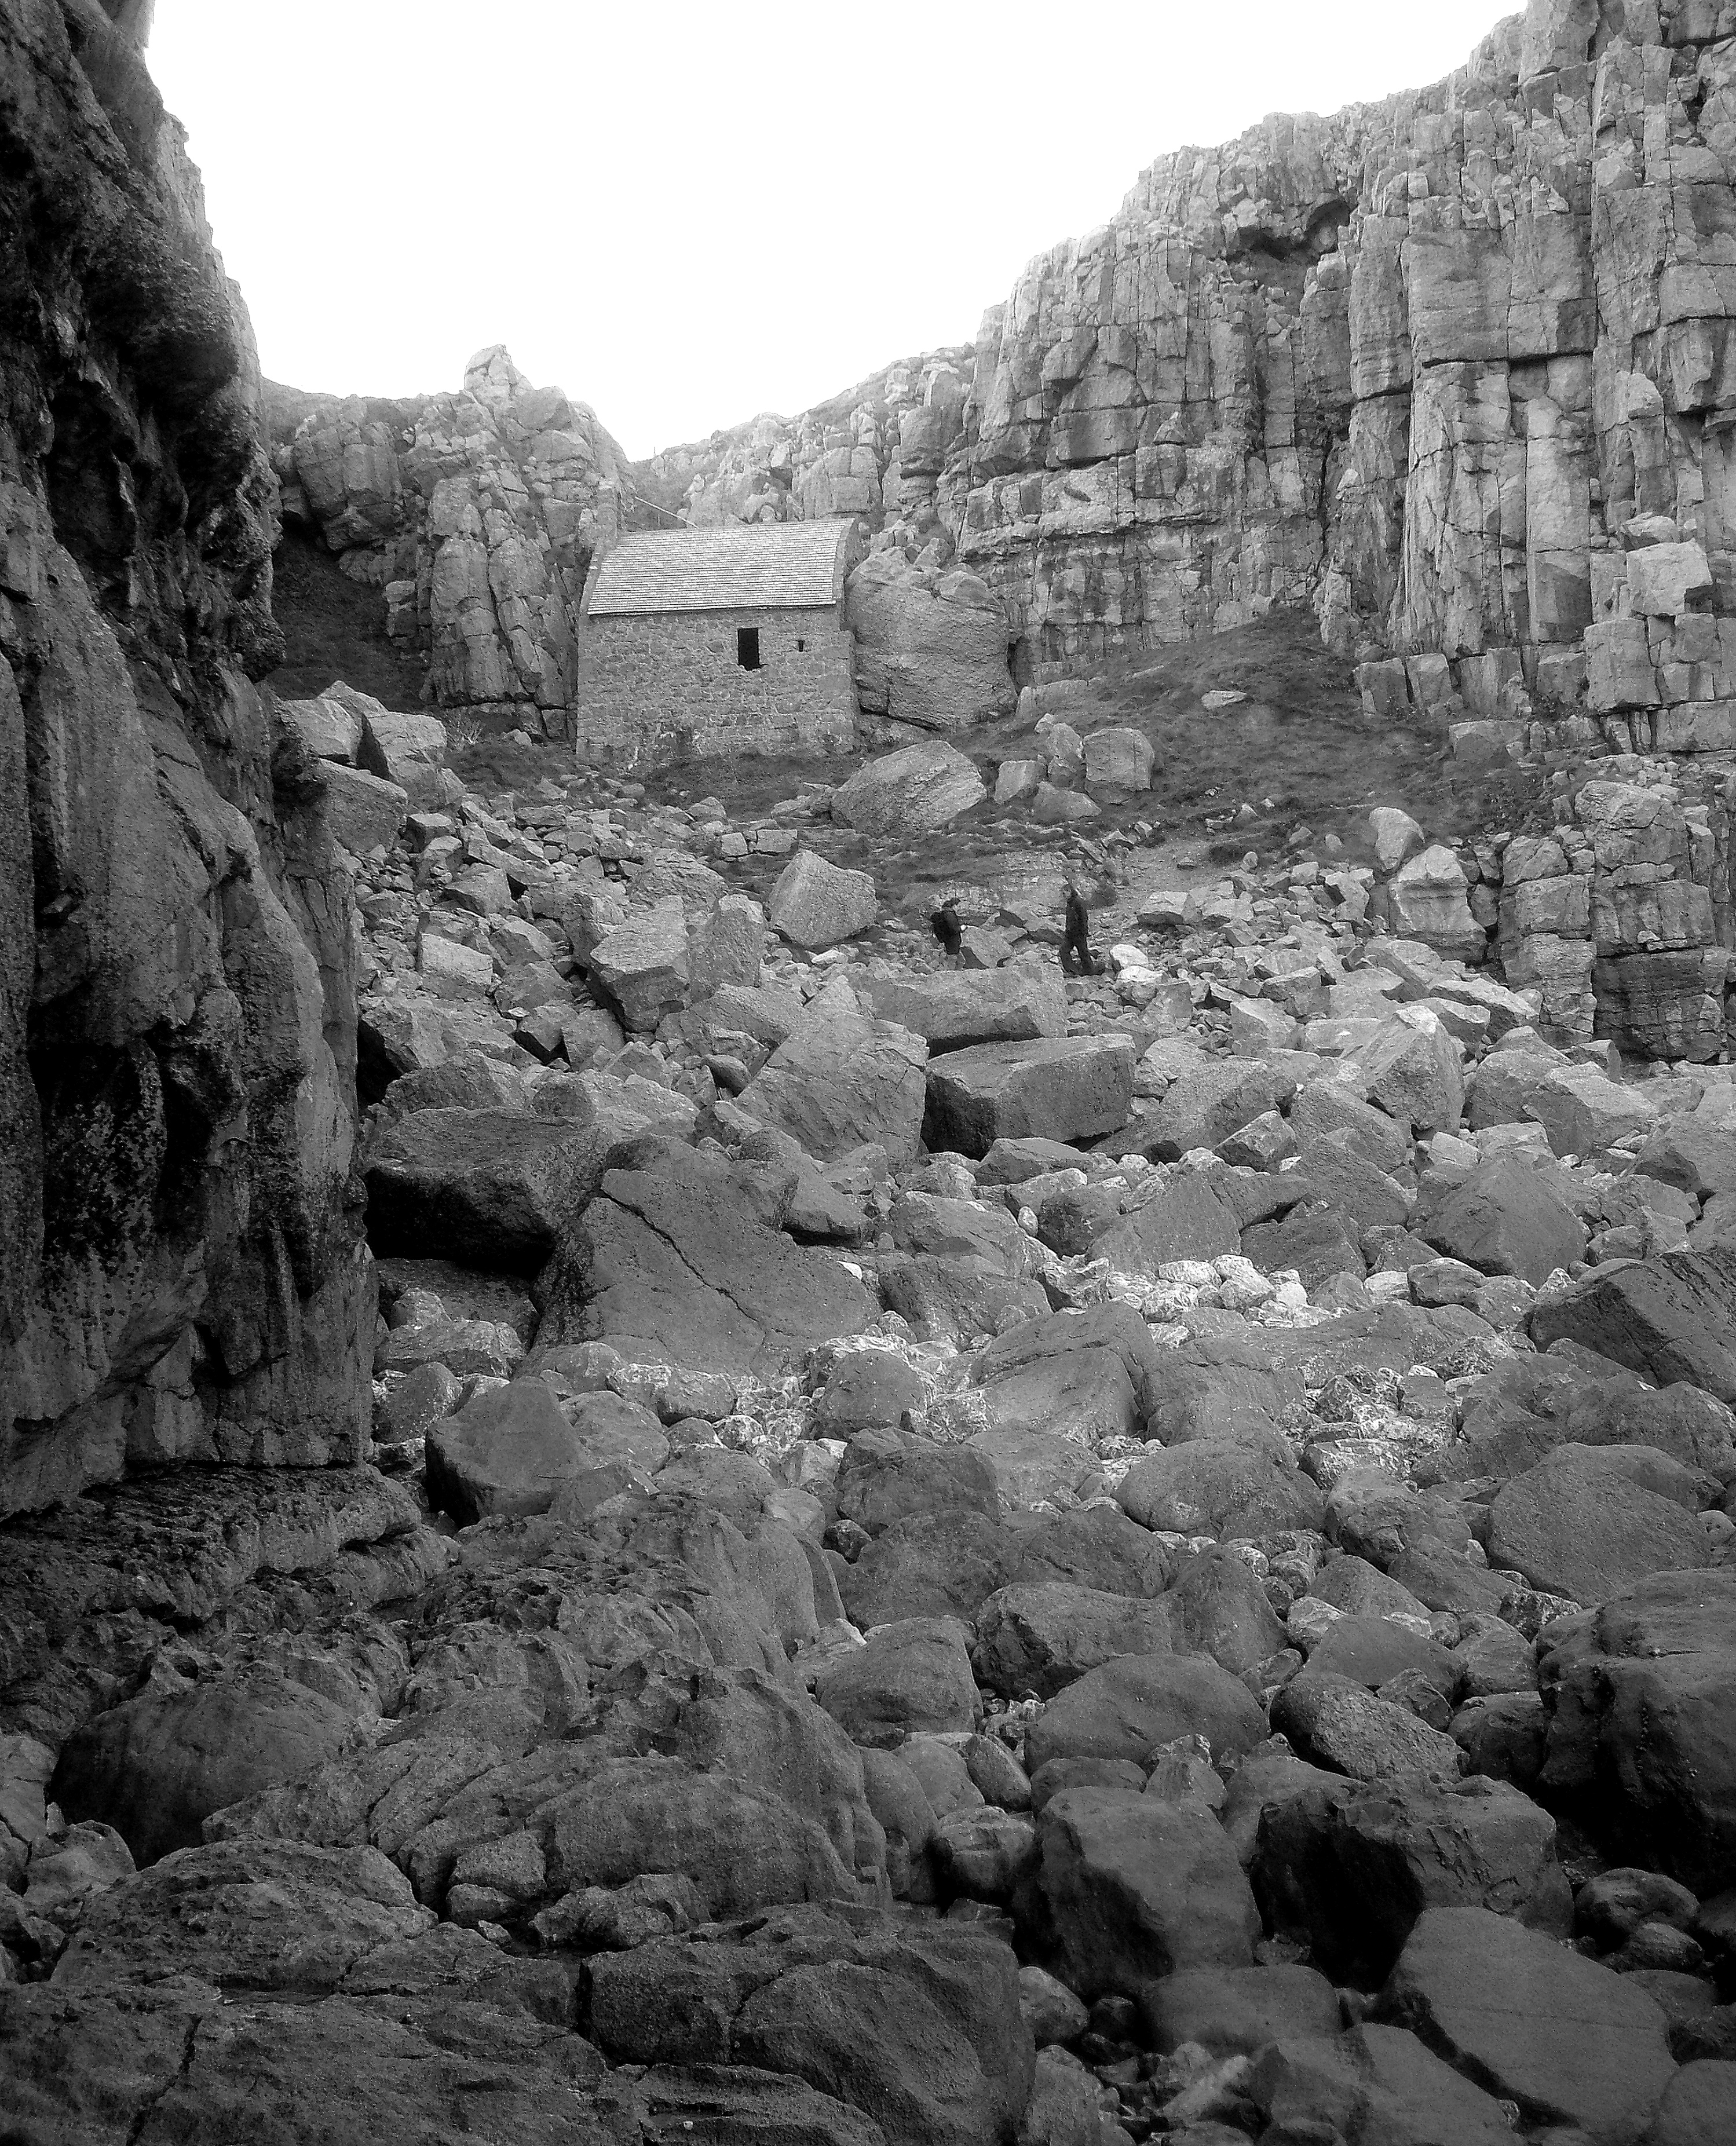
pixel 774 566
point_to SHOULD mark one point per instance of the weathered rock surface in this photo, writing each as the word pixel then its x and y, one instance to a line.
pixel 181 1270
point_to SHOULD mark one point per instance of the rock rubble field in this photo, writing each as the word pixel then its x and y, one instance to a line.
pixel 635 1507
pixel 946 1554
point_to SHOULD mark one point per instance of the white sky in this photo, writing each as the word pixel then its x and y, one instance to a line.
pixel 684 213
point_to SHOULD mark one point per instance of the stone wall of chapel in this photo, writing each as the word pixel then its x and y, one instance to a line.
pixel 653 688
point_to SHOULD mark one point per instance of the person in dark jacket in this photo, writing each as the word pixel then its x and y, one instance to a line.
pixel 946 926
pixel 1077 958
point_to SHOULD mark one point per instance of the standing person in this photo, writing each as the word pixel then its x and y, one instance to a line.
pixel 946 926
pixel 1077 944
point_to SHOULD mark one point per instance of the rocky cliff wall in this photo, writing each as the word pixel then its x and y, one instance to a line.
pixel 1440 367
pixel 182 1275
pixel 475 514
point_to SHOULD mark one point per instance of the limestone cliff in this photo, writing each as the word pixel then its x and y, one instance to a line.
pixel 181 1274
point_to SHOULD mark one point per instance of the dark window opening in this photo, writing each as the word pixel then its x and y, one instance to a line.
pixel 800 645
pixel 747 647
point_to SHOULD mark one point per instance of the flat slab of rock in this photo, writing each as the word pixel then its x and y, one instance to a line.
pixel 1578 1525
pixel 954 1008
pixel 1061 1088
pixel 671 1263
pixel 815 905
pixel 915 791
pixel 1569 2041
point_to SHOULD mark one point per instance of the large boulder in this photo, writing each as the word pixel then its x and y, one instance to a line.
pixel 672 1262
pixel 815 905
pixel 362 812
pixel 930 647
pixel 1128 1887
pixel 1571 2043
pixel 918 2025
pixel 1643 1724
pixel 508 1450
pixel 888 1475
pixel 1235 2010
pixel 1040 1636
pixel 156 1767
pixel 1414 1071
pixel 642 966
pixel 1507 1218
pixel 951 1009
pixel 1118 758
pixel 488 1188
pixel 399 746
pixel 1349 1868
pixel 1125 1709
pixel 1062 1088
pixel 916 791
pixel 1579 1524
pixel 1429 899
pixel 909 1677
pixel 1669 1318
pixel 1222 1487
pixel 256 1914
pixel 1209 1099
pixel 842 1078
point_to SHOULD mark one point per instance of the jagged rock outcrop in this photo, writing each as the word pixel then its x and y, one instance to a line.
pixel 182 1275
pixel 477 515
pixel 876 450
pixel 1444 367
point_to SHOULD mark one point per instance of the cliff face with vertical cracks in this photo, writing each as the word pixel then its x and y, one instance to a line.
pixel 181 1274
pixel 1441 366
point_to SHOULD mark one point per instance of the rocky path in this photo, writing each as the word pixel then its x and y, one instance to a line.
pixel 948 1556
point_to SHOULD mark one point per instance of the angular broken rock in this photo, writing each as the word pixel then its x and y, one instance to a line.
pixel 840 1079
pixel 1127 1888
pixel 815 905
pixel 642 966
pixel 1349 1867
pixel 507 1452
pixel 490 1188
pixel 922 788
pixel 1064 1088
pixel 954 1008
pixel 1669 1318
pixel 363 812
